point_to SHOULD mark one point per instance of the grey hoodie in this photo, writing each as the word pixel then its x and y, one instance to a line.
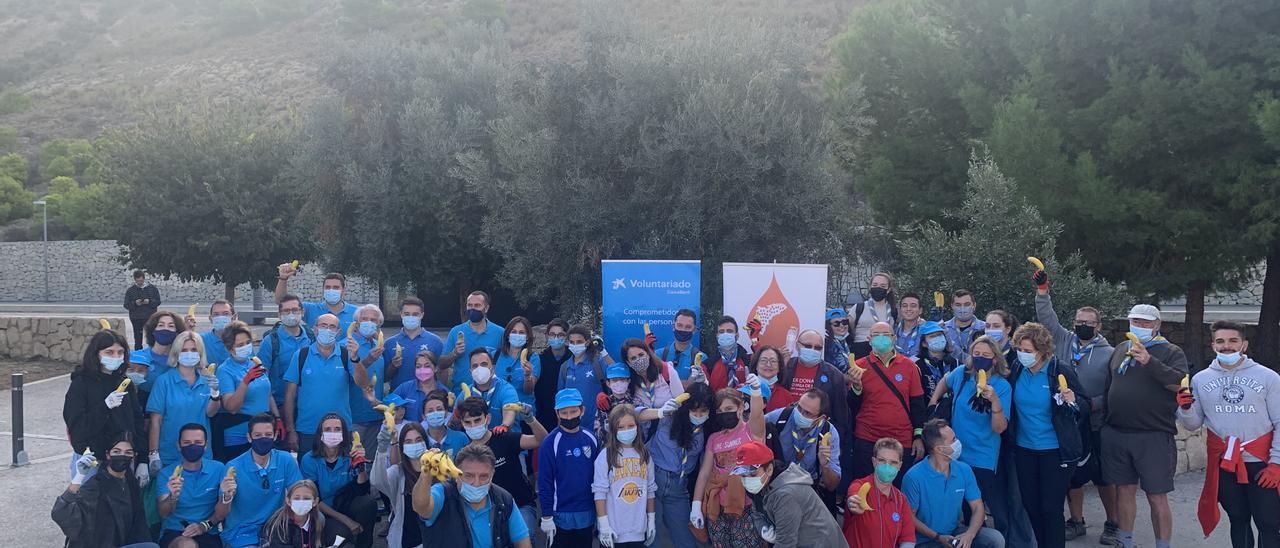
pixel 1092 369
pixel 798 516
pixel 1242 402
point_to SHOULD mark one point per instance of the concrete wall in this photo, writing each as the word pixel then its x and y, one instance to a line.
pixel 57 339
pixel 89 271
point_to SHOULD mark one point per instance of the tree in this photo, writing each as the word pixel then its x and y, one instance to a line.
pixel 1261 197
pixel 708 145
pixel 1132 124
pixel 988 254
pixel 61 166
pixel 15 201
pixel 75 212
pixel 197 194
pixel 14 166
pixel 8 138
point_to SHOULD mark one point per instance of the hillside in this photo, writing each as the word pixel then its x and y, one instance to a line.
pixel 70 68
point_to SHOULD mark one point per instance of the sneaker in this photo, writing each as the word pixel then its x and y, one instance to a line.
pixel 1075 529
pixel 1109 537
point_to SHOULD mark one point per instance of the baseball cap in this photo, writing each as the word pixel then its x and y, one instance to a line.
pixel 569 397
pixel 1144 312
pixel 836 313
pixel 397 399
pixel 930 328
pixel 617 371
pixel 750 456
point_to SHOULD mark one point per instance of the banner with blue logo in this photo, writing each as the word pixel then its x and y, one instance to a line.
pixel 635 292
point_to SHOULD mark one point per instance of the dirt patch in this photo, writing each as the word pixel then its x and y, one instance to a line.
pixel 32 370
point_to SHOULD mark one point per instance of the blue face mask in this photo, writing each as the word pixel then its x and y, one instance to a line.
pixel 938 344
pixel 262 446
pixel 221 322
pixel 577 349
pixel 332 296
pixel 555 342
pixel 982 364
pixel 626 436
pixel 886 472
pixel 411 322
pixel 682 336
pixel 809 356
pixel 472 493
pixel 164 337
pixel 803 422
pixel 436 419
pixel 475 316
pixel 1144 334
pixel 697 420
pixel 517 339
pixel 326 336
pixel 476 432
pixel 243 352
pixel 368 329
pixel 136 377
pixel 111 363
pixel 881 344
pixel 188 359
pixel 963 313
pixel 1027 359
pixel 995 334
pixel 414 450
pixel 726 340
pixel 291 320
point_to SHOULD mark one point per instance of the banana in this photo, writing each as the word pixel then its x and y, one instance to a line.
pixel 647 332
pixel 294 264
pixel 939 299
pixel 103 323
pixel 373 381
pixel 124 385
pixel 355 439
pixel 88 451
pixel 382 339
pixel 1036 263
pixel 1186 381
pixel 982 380
pixel 862 494
pixel 697 359
pixel 213 368
pixel 826 440
pixel 177 471
pixel 256 361
pixel 517 407
pixel 351 329
pixel 381 407
pixel 399 351
pixel 390 417
pixel 191 311
pixel 1133 340
pixel 462 338
pixel 524 356
pixel 852 358
pixel 466 391
pixel 231 472
pixel 683 397
pixel 1062 382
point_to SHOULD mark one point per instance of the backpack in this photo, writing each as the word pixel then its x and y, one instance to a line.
pixel 773 431
pixel 306 350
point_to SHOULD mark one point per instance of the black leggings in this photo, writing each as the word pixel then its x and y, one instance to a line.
pixel 138 339
pixel 1243 502
pixel 574 538
pixel 1044 481
pixel 363 510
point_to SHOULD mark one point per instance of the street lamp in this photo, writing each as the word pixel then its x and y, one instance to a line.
pixel 45 206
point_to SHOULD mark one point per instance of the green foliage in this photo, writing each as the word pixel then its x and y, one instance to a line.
pixel 988 254
pixel 76 212
pixel 197 194
pixel 61 166
pixel 1132 124
pixel 14 166
pixel 12 102
pixel 8 138
pixel 15 201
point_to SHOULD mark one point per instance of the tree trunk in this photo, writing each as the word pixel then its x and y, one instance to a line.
pixel 229 293
pixel 1264 346
pixel 1193 344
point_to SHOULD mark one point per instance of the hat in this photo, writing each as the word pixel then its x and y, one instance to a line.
pixel 569 397
pixel 396 399
pixel 930 328
pixel 750 456
pixel 617 371
pixel 764 390
pixel 836 313
pixel 1144 312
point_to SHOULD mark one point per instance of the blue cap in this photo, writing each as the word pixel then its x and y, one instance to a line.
pixel 569 397
pixel 396 399
pixel 617 371
pixel 764 390
pixel 930 328
pixel 836 313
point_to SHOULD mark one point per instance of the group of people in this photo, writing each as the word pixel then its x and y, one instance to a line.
pixel 886 430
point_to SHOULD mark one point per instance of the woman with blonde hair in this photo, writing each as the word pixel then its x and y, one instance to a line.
pixel 188 393
pixel 625 484
pixel 299 524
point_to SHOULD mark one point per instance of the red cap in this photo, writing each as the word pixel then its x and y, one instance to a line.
pixel 753 453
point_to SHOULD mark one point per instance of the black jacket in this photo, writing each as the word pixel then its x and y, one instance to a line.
pixel 141 311
pixel 89 422
pixel 452 529
pixel 105 513
pixel 1071 425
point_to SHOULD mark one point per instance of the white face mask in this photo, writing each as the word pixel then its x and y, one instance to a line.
pixel 331 439
pixel 301 507
pixel 753 484
pixel 481 375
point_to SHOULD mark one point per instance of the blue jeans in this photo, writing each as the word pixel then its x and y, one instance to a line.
pixel 672 504
pixel 531 520
pixel 986 538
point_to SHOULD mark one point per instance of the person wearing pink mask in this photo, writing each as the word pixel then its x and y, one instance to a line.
pixel 424 382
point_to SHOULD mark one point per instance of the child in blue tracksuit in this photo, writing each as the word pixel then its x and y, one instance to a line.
pixel 564 485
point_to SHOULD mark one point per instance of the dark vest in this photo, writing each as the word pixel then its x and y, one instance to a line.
pixel 452 529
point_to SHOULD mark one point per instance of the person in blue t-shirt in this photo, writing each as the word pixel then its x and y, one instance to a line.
pixel 339 468
pixel 585 370
pixel 280 344
pixel 320 384
pixel 221 314
pixel 564 487
pixel 411 339
pixel 186 394
pixel 333 291
pixel 476 332
pixel 187 493
pixel 255 484
pixel 475 512
pixel 938 488
pixel 435 410
pixel 512 366
pixel 159 332
pixel 682 350
pixel 423 382
pixel 248 392
pixel 363 345
pixel 495 391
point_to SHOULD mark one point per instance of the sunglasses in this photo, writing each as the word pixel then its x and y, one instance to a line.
pixel 839 323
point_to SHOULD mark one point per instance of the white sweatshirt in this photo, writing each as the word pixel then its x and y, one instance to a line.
pixel 1243 402
pixel 626 491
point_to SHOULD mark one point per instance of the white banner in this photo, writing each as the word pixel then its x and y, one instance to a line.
pixel 787 298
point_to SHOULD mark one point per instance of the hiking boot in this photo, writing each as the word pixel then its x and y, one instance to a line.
pixel 1109 537
pixel 1075 529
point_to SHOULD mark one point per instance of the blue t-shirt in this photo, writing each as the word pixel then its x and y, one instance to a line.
pixel 411 346
pixel 257 397
pixel 981 443
pixel 669 456
pixel 199 493
pixel 491 339
pixel 361 410
pixel 481 527
pixel 324 387
pixel 288 348
pixel 453 441
pixel 682 361
pixel 178 403
pixel 157 364
pixel 508 369
pixel 253 503
pixel 583 377
pixel 938 500
pixel 312 312
pixel 1031 402
pixel 214 350
pixel 330 479
pixel 409 391
pixel 497 396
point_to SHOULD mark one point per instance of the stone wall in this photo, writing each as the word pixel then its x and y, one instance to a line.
pixel 90 271
pixel 58 339
pixel 1191 455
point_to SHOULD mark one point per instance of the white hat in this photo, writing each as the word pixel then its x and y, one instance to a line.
pixel 1144 312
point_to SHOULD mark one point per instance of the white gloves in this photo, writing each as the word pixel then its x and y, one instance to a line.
pixel 384 437
pixel 754 382
pixel 549 529
pixel 669 408
pixel 651 534
pixel 154 460
pixel 604 531
pixel 526 412
pixel 696 374
pixel 143 474
pixel 113 399
pixel 212 382
pixel 768 534
pixel 695 515
pixel 84 466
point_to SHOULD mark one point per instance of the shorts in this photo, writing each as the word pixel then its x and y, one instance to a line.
pixel 1091 470
pixel 1145 458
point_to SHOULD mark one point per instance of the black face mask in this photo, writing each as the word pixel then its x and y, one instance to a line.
pixel 570 424
pixel 727 419
pixel 878 293
pixel 1086 332
pixel 119 463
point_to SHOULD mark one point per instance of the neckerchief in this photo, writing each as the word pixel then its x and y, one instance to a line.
pixel 684 451
pixel 810 439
